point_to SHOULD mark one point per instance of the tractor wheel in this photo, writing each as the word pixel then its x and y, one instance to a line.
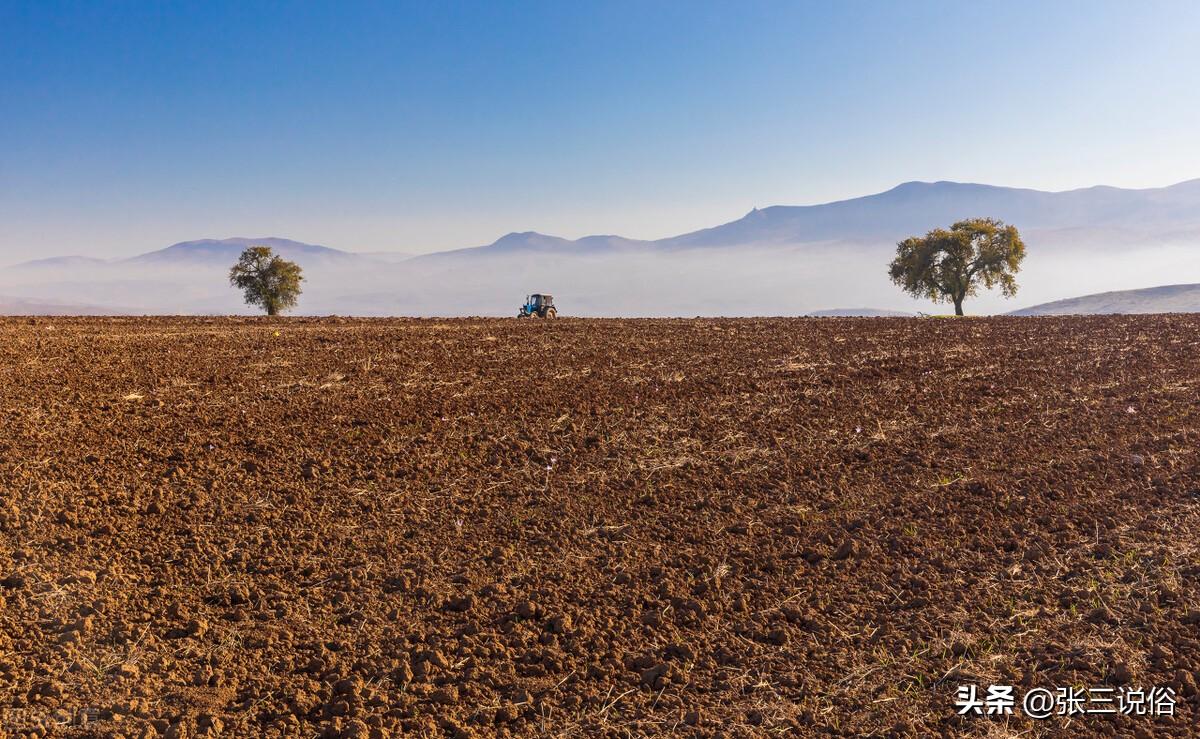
pixel 551 313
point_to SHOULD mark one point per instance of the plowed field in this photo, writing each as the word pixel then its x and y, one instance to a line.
pixel 600 528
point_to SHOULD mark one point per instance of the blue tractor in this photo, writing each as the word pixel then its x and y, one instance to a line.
pixel 538 306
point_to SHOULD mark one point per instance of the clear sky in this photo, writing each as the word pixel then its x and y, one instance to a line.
pixel 126 126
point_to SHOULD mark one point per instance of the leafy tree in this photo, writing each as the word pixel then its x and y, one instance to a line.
pixel 267 280
pixel 950 265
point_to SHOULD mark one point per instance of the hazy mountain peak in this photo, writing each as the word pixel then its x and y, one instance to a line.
pixel 513 235
pixel 226 251
pixel 915 207
pixel 519 240
pixel 522 237
pixel 921 187
pixel 914 185
pixel 533 242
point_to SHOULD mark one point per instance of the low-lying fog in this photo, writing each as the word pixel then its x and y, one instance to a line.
pixel 736 281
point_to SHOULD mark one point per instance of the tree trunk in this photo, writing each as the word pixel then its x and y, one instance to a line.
pixel 958 311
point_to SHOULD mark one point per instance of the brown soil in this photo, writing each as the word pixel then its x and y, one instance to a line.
pixel 604 528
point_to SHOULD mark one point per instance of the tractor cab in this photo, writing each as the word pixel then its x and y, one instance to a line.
pixel 538 305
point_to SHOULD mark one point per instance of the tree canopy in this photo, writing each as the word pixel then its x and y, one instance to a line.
pixel 267 280
pixel 950 265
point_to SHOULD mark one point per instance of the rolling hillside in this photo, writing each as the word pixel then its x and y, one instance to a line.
pixel 1164 299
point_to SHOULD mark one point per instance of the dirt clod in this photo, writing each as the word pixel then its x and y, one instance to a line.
pixel 445 696
pixel 749 527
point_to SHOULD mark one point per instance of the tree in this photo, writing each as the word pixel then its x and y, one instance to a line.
pixel 950 265
pixel 267 280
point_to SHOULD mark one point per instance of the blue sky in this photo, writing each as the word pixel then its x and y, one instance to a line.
pixel 125 126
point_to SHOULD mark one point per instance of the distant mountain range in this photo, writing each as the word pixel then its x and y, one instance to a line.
pixel 534 242
pixel 905 210
pixel 781 260
pixel 223 252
